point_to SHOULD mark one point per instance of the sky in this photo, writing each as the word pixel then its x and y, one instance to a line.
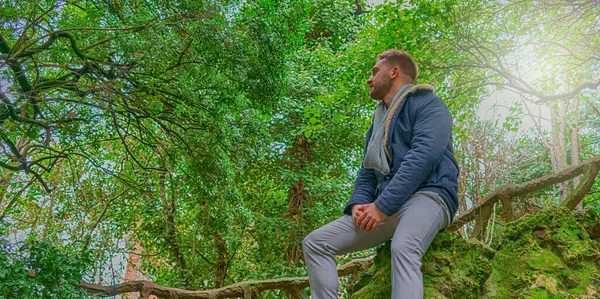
pixel 496 107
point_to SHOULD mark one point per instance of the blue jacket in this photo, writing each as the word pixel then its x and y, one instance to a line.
pixel 421 156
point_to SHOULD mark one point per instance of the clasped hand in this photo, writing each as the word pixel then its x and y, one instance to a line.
pixel 367 217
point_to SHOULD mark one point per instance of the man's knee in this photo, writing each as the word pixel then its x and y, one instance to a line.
pixel 316 241
pixel 407 249
pixel 310 242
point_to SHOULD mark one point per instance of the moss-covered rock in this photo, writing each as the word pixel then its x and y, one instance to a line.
pixel 452 268
pixel 553 254
pixel 547 255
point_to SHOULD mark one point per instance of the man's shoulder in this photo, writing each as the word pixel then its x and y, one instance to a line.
pixel 424 97
pixel 422 89
pixel 422 94
pixel 426 102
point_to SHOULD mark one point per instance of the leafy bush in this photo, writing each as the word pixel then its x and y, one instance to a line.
pixel 39 270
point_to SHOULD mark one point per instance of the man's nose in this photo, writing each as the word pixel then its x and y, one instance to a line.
pixel 370 81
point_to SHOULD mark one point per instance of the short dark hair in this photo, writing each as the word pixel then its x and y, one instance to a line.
pixel 402 60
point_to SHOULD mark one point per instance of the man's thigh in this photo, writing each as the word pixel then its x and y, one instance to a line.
pixel 342 236
pixel 420 220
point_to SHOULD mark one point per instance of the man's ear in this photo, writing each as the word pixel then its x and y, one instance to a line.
pixel 396 72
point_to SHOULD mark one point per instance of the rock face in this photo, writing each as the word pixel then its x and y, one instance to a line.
pixel 553 254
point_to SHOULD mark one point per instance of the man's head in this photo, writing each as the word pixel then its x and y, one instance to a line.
pixel 393 69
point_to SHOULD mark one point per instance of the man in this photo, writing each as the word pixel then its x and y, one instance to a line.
pixel 406 187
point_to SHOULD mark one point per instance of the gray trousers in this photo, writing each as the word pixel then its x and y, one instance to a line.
pixel 413 228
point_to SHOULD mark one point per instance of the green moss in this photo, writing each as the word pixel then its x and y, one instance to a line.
pixel 540 294
pixel 452 268
pixel 570 279
pixel 377 283
pixel 543 259
pixel 553 254
pixel 544 251
pixel 590 222
pixel 588 274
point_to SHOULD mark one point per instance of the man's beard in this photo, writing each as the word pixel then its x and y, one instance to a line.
pixel 380 90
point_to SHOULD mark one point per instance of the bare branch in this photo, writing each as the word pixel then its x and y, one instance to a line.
pixel 106 207
pixel 14 199
pixel 51 39
pixel 589 177
pixel 522 189
pixel 232 291
pixel 537 126
pixel 567 95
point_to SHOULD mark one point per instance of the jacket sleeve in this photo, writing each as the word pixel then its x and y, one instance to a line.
pixel 366 184
pixel 431 133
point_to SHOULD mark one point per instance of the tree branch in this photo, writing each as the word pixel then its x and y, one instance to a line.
pixel 51 39
pixel 14 199
pixel 589 176
pixel 522 189
pixel 547 98
pixel 231 291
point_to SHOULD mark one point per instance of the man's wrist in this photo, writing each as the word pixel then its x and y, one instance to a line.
pixel 381 207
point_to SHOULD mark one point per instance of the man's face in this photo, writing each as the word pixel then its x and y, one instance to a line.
pixel 380 80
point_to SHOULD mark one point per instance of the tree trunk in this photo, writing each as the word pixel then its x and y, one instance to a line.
pixel 563 163
pixel 50 214
pixel 299 157
pixel 169 210
pixel 462 188
pixel 574 139
pixel 559 149
pixel 134 262
pixel 221 262
pixel 295 202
